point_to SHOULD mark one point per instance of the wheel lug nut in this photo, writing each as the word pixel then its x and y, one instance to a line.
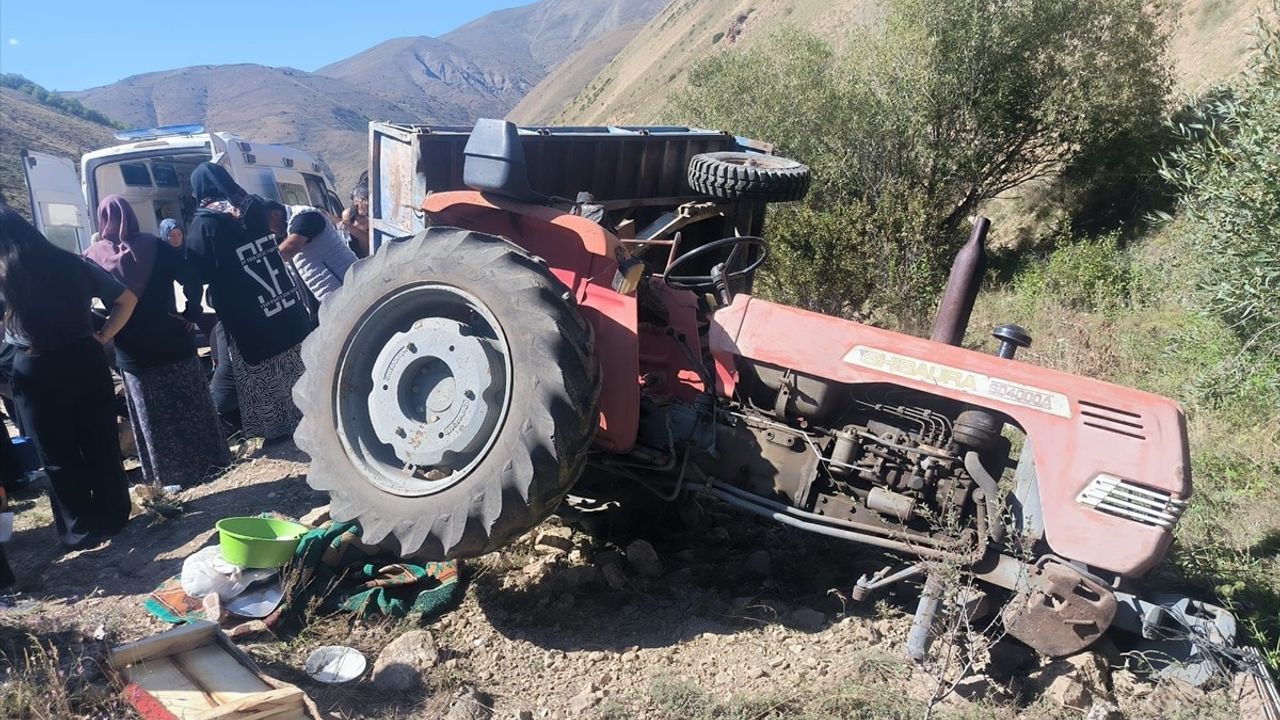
pixel 412 348
pixel 400 431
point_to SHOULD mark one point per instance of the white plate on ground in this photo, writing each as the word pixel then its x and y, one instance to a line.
pixel 335 664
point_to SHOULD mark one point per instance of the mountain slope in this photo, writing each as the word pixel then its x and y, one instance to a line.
pixel 436 80
pixel 29 125
pixel 633 87
pixel 486 66
pixel 1212 40
pixel 326 116
pixel 547 32
pixel 557 89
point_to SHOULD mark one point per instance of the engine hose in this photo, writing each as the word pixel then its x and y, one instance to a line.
pixel 990 492
pixel 816 523
pixel 813 517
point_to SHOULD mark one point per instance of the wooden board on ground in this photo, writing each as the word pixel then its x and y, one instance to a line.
pixel 195 672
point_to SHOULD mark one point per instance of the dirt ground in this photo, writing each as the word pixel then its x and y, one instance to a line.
pixel 735 619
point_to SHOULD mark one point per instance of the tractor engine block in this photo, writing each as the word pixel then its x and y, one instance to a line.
pixel 896 467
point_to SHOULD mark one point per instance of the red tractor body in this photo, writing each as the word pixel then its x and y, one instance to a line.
pixel 521 345
pixel 1128 444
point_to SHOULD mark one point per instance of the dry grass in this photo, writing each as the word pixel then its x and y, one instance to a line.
pixel 55 675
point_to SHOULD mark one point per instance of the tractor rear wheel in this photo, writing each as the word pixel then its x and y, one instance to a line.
pixel 450 393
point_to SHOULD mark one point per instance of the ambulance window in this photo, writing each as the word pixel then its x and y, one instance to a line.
pixel 315 189
pixel 335 205
pixel 135 174
pixel 62 226
pixel 165 174
pixel 61 214
pixel 260 182
pixel 293 194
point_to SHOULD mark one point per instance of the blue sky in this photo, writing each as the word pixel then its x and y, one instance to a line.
pixel 78 44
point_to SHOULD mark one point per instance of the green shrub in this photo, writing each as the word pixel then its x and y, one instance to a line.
pixel 930 111
pixel 1089 274
pixel 1229 178
pixel 873 262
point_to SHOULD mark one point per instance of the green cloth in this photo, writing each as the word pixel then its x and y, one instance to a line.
pixel 338 572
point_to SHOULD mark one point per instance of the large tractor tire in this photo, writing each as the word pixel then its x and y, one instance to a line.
pixel 449 397
pixel 733 175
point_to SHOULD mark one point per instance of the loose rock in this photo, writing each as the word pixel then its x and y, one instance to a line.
pixel 400 665
pixel 1076 682
pixel 470 705
pixel 759 563
pixel 584 700
pixel 613 576
pixel 554 541
pixel 1103 710
pixel 805 619
pixel 644 558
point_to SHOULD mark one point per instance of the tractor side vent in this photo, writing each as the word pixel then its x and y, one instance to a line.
pixel 1129 500
pixel 1114 420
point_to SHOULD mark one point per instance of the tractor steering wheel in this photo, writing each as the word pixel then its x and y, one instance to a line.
pixel 733 267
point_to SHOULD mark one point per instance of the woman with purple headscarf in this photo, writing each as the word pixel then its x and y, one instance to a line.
pixel 174 422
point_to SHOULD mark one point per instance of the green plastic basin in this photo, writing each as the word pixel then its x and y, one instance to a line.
pixel 252 542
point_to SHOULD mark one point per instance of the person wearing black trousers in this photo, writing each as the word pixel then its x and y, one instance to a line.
pixel 61 381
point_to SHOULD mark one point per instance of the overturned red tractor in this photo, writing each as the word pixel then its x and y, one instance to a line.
pixel 578 300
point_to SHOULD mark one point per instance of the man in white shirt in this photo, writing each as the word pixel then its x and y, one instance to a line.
pixel 314 246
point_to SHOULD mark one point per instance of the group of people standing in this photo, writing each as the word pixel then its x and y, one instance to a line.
pixel 247 251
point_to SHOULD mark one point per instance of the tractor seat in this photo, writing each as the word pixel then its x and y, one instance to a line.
pixel 494 162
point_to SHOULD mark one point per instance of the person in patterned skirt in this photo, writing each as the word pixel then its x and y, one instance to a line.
pixel 170 407
pixel 231 249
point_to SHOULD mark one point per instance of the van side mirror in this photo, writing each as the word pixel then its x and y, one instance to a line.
pixel 494 161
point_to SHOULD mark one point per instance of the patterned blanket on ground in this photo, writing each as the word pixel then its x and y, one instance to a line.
pixel 332 570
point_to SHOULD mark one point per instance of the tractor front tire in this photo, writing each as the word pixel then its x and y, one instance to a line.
pixel 733 175
pixel 450 394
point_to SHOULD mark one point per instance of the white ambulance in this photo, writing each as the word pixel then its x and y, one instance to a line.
pixel 152 170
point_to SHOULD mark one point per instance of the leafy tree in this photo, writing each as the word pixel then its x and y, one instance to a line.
pixel 1229 176
pixel 925 113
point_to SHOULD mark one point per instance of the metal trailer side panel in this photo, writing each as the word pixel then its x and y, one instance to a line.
pixel 630 165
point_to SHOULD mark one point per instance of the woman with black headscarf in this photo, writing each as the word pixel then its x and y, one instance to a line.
pixel 170 408
pixel 61 383
pixel 232 249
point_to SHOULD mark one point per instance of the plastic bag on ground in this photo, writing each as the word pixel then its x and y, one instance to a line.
pixel 204 572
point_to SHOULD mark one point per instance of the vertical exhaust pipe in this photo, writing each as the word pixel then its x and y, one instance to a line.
pixel 962 287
